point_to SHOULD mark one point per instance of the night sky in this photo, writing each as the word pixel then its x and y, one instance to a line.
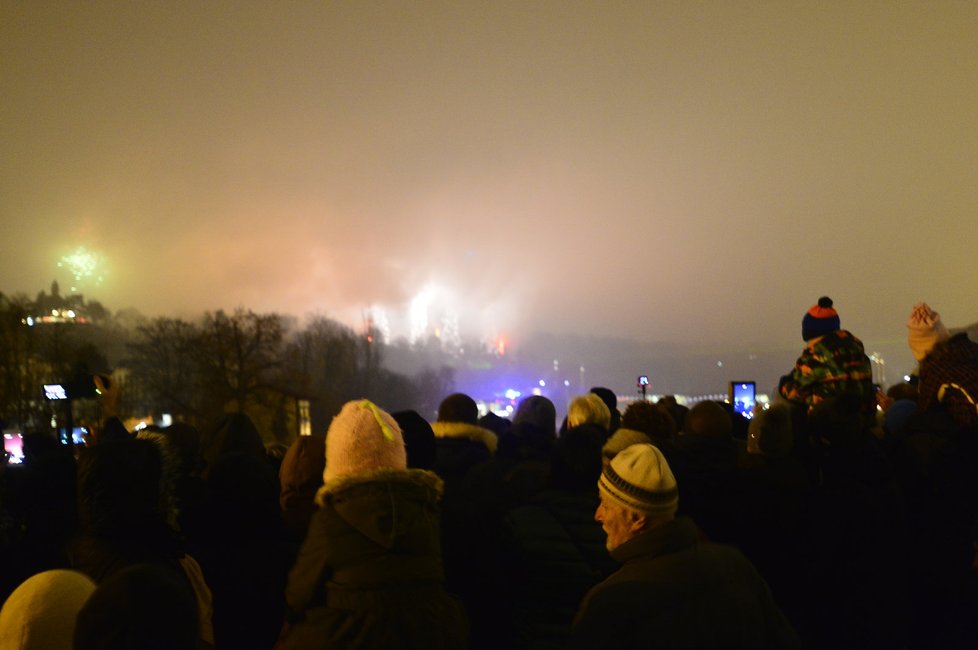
pixel 667 171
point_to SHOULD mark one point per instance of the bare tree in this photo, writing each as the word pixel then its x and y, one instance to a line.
pixel 166 367
pixel 240 354
pixel 322 363
pixel 21 372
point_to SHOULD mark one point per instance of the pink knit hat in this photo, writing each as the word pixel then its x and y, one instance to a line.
pixel 925 330
pixel 361 439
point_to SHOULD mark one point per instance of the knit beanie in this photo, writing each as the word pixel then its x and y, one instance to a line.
pixel 640 479
pixel 361 439
pixel 41 612
pixel 621 439
pixel 820 320
pixel 925 330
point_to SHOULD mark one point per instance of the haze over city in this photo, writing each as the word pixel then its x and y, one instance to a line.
pixel 683 173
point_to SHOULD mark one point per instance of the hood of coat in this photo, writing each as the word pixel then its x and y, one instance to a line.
pixel 384 506
pixel 465 431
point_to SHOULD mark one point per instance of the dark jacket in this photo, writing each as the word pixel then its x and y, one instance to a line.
pixel 674 592
pixel 553 553
pixel 369 574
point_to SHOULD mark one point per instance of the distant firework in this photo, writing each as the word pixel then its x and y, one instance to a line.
pixel 84 266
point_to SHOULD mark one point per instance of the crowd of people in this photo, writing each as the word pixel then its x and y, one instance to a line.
pixel 839 517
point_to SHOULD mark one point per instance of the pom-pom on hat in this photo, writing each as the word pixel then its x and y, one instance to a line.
pixel 361 439
pixel 924 330
pixel 640 479
pixel 820 320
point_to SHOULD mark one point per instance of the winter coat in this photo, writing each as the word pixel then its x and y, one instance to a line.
pixel 830 364
pixel 369 574
pixel 674 592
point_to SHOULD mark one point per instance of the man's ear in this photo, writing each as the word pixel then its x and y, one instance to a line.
pixel 636 521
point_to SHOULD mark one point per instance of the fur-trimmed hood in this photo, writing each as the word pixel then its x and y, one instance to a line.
pixel 419 477
pixel 383 505
pixel 466 431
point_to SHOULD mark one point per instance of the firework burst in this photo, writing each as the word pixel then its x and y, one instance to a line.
pixel 85 266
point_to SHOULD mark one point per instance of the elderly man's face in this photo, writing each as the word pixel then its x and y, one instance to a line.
pixel 620 524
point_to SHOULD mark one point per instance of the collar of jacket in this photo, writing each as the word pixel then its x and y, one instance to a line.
pixel 466 431
pixel 668 538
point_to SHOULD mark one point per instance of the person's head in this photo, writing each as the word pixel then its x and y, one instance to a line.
pixel 234 432
pixel 40 613
pixel 121 490
pixel 708 419
pixel 539 412
pixel 903 390
pixel 362 439
pixel 651 419
pixel 620 440
pixel 185 438
pixel 576 460
pixel 458 407
pixel 495 423
pixel 419 439
pixel 146 606
pixel 898 415
pixel 611 401
pixel 638 492
pixel 819 320
pixel 924 330
pixel 300 477
pixel 770 433
pixel 585 409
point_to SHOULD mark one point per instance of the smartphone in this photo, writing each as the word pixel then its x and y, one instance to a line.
pixel 643 380
pixel 743 397
pixel 77 436
pixel 13 444
pixel 55 391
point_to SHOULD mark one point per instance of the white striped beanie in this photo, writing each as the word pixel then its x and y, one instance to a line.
pixel 640 479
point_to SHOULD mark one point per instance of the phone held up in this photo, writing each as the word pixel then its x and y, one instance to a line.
pixel 743 396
